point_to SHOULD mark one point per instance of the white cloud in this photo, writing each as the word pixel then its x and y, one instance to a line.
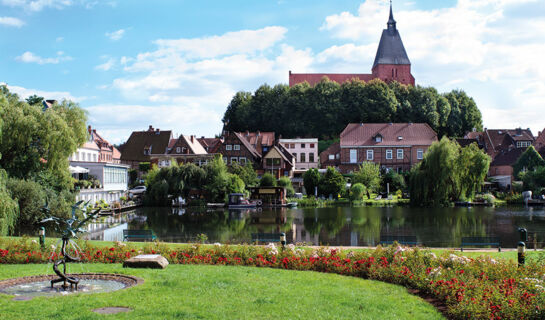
pixel 59 39
pixel 109 64
pixel 37 5
pixel 244 41
pixel 29 57
pixel 12 22
pixel 55 95
pixel 116 35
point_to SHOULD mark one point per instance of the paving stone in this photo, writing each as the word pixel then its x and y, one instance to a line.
pixel 153 261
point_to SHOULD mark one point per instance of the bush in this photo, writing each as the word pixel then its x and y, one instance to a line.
pixel 31 198
pixel 331 183
pixel 357 191
pixel 267 180
pixel 286 183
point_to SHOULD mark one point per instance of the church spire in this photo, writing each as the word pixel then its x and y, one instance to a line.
pixel 391 21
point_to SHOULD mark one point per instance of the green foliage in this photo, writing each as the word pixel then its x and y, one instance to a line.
pixel 9 209
pixel 331 183
pixel 357 191
pixel 144 166
pixel 311 180
pixel 395 180
pixel 34 99
pixel 535 180
pixel 447 173
pixel 216 179
pixel 267 180
pixel 235 184
pixel 133 176
pixel 38 142
pixel 246 173
pixel 324 144
pixel 286 183
pixel 31 199
pixel 368 174
pixel 324 110
pixel 174 181
pixel 529 160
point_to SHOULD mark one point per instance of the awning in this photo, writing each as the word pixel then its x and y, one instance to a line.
pixel 77 169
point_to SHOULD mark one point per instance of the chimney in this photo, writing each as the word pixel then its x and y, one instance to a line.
pixel 202 137
pixel 192 139
pixel 150 128
pixel 157 131
pixel 258 133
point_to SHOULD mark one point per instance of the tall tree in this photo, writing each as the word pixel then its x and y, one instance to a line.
pixel 529 160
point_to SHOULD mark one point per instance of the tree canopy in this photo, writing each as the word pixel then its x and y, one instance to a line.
pixel 529 160
pixel 324 110
pixel 447 173
pixel 368 174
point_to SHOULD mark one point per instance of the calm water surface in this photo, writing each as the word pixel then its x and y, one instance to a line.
pixel 346 226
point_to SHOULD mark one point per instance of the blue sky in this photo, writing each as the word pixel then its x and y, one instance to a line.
pixel 176 64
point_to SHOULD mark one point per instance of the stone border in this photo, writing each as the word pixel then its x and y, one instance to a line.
pixel 127 281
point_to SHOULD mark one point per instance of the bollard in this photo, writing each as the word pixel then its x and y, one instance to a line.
pixel 521 247
pixel 521 253
pixel 42 237
pixel 283 240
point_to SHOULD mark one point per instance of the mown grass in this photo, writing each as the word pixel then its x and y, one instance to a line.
pixel 223 292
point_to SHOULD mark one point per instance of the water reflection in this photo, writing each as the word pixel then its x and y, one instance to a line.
pixel 346 226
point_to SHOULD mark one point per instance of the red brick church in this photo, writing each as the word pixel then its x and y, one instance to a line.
pixel 391 62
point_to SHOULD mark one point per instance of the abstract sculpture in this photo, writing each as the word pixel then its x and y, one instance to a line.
pixel 69 228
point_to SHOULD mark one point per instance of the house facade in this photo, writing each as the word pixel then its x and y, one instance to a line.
pixel 112 176
pixel 331 157
pixel 279 162
pixel 504 146
pixel 395 146
pixel 391 62
pixel 305 152
pixel 142 144
pixel 236 148
pixel 185 149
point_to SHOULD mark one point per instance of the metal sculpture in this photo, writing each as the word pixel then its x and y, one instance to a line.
pixel 69 228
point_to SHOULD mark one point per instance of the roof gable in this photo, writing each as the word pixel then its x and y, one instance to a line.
pixel 393 134
pixel 133 150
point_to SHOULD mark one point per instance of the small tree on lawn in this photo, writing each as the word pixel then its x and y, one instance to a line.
pixel 357 191
pixel 311 179
pixel 368 174
pixel 332 182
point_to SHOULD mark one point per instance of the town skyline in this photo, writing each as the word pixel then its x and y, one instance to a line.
pixel 178 69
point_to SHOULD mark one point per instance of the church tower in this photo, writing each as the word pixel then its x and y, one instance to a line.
pixel 391 62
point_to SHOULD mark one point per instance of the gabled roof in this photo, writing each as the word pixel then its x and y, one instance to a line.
pixel 90 145
pixel 194 144
pixel 258 139
pixel 133 150
pixel 247 145
pixel 505 139
pixel 390 48
pixel 393 134
pixel 211 145
pixel 507 158
pixel 116 154
pixel 286 156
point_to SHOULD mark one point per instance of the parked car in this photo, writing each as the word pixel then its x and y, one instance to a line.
pixel 138 190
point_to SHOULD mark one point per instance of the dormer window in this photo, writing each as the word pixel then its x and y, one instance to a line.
pixel 400 138
pixel 147 150
pixel 378 138
pixel 523 144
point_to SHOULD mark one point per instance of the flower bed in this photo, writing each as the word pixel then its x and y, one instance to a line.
pixel 481 288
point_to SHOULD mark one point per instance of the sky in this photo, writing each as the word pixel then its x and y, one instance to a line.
pixel 176 64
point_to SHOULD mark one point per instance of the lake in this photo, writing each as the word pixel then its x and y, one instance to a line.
pixel 335 226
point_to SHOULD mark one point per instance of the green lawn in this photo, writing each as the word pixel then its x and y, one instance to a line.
pixel 223 292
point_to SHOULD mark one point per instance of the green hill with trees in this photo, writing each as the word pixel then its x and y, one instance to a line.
pixel 324 110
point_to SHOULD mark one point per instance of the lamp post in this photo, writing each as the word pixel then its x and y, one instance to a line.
pixel 521 247
pixel 283 240
pixel 42 237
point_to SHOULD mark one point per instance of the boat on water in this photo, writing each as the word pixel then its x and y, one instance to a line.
pixel 237 201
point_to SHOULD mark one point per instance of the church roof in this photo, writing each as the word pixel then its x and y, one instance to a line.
pixel 390 49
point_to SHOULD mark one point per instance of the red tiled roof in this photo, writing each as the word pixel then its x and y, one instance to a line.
pixel 507 158
pixel 314 78
pixel 171 143
pixel 211 143
pixel 393 134
pixel 247 144
pixel 539 143
pixel 258 139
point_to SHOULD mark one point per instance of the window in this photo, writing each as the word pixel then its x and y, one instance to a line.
pixel 400 153
pixel 242 160
pixel 311 157
pixel 270 162
pixel 378 138
pixel 389 154
pixel 419 154
pixel 338 156
pixel 312 145
pixel 236 146
pixel 178 149
pixel 303 156
pixel 331 157
pixel 292 146
pixel 353 156
pixel 287 145
pixel 523 144
pixel 302 146
pixel 369 154
pixel 234 160
pixel 228 147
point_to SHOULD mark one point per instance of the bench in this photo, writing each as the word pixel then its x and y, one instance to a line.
pixel 405 240
pixel 480 241
pixel 266 237
pixel 145 235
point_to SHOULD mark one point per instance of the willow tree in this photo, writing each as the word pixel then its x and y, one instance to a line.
pixel 447 173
